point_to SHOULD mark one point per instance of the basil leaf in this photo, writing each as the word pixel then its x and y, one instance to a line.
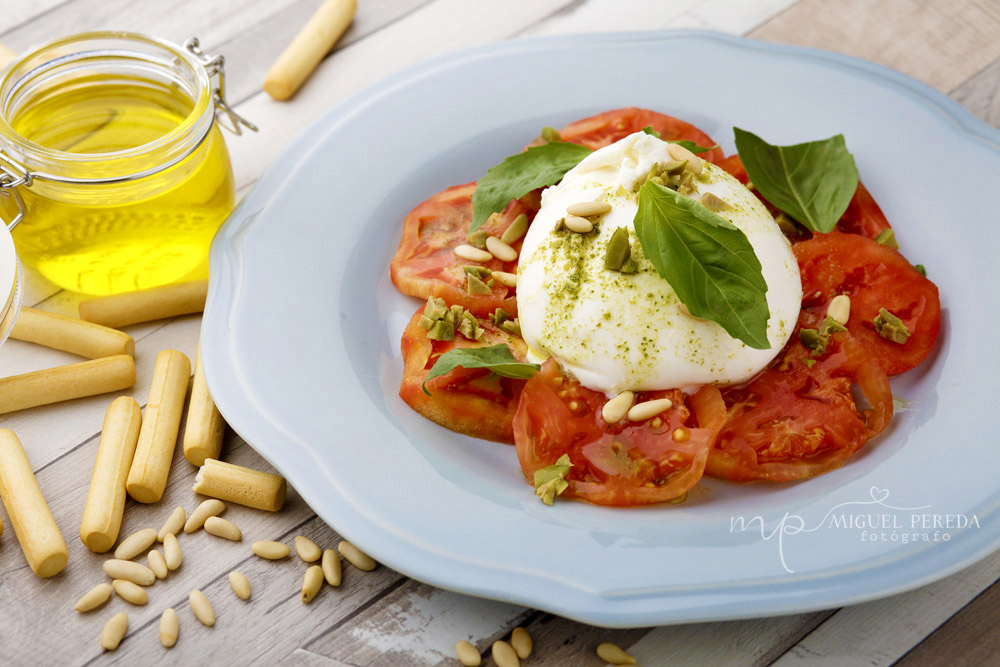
pixel 497 358
pixel 519 174
pixel 707 260
pixel 812 182
pixel 649 130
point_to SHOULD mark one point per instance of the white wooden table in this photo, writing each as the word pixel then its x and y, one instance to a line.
pixel 383 618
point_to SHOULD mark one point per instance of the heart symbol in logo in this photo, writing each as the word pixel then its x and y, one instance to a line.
pixel 879 495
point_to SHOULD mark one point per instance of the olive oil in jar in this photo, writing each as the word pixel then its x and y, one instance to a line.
pixel 128 233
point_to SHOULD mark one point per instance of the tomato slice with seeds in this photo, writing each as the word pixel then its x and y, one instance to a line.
pixel 874 276
pixel 606 128
pixel 425 263
pixel 474 401
pixel 628 463
pixel 799 418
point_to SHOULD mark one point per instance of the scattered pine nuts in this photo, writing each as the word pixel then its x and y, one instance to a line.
pixel 157 563
pixel 500 250
pixel 642 411
pixel 612 653
pixel 681 154
pixel 174 523
pixel 516 229
pixel 472 254
pixel 135 544
pixel 202 608
pixel 94 598
pixel 223 528
pixel 307 549
pixel 130 592
pixel 504 655
pixel 311 583
pixel 271 550
pixel 575 223
pixel 172 552
pixel 468 654
pixel 615 410
pixel 356 556
pixel 169 627
pixel 331 567
pixel 130 571
pixel 240 585
pixel 504 278
pixel 839 309
pixel 520 641
pixel 114 631
pixel 585 209
pixel 211 507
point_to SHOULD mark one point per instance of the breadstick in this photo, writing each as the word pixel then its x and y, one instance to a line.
pixel 63 383
pixel 36 529
pixel 253 488
pixel 102 513
pixel 157 303
pixel 71 334
pixel 308 48
pixel 147 477
pixel 205 427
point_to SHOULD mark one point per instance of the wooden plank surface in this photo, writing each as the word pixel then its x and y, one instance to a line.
pixel 382 618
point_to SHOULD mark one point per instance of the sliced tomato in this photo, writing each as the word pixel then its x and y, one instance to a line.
pixel 607 128
pixel 628 463
pixel 474 401
pixel 799 418
pixel 425 263
pixel 863 215
pixel 874 276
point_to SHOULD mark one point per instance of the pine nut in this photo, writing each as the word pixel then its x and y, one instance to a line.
pixel 500 250
pixel 839 309
pixel 94 598
pixel 172 552
pixel 612 653
pixel 169 627
pixel 135 544
pixel 504 655
pixel 114 631
pixel 202 608
pixel 130 571
pixel 331 567
pixel 504 278
pixel 356 556
pixel 585 209
pixel 681 154
pixel 472 254
pixel 240 585
pixel 158 564
pixel 271 550
pixel 468 654
pixel 174 523
pixel 222 528
pixel 211 507
pixel 130 592
pixel 307 549
pixel 520 640
pixel 516 229
pixel 642 411
pixel 575 223
pixel 311 583
pixel 615 410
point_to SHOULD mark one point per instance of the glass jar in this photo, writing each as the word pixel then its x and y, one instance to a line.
pixel 114 175
pixel 10 284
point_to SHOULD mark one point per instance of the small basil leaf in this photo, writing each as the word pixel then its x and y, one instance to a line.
pixel 497 358
pixel 707 260
pixel 649 130
pixel 812 182
pixel 519 174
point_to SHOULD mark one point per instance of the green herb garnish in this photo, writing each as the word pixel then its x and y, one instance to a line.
pixel 690 145
pixel 497 358
pixel 550 481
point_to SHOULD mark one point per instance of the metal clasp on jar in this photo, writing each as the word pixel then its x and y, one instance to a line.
pixel 216 66
pixel 12 176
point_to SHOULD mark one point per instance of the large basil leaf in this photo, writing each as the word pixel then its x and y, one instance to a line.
pixel 497 358
pixel 707 260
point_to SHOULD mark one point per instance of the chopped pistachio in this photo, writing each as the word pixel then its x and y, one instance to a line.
pixel 619 250
pixel 454 314
pixel 442 330
pixel 515 230
pixel 550 134
pixel 808 362
pixel 469 326
pixel 425 322
pixel 787 226
pixel 435 308
pixel 675 166
pixel 499 316
pixel 658 180
pixel 550 481
pixel 887 237
pixel 477 271
pixel 814 341
pixel 890 327
pixel 921 270
pixel 478 237
pixel 511 327
pixel 713 203
pixel 630 266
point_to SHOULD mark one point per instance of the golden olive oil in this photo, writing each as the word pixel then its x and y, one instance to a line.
pixel 106 238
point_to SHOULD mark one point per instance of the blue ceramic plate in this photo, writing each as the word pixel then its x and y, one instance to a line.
pixel 302 330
